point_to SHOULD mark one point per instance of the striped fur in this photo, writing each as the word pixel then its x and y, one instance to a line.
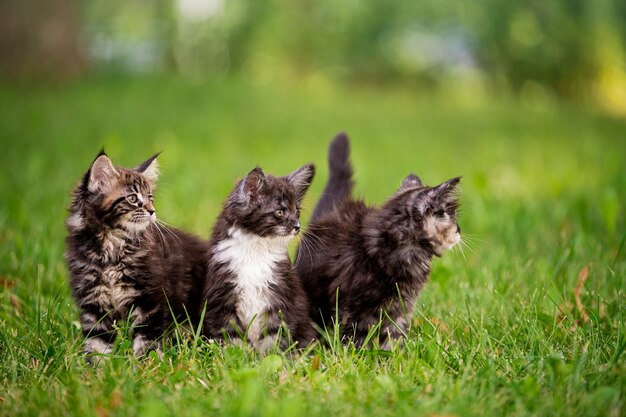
pixel 252 289
pixel 372 262
pixel 124 265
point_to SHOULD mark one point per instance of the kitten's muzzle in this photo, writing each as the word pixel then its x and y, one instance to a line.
pixel 149 207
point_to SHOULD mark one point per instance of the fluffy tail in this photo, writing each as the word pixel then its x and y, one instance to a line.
pixel 340 183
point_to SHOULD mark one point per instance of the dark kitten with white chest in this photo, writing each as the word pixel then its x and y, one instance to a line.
pixel 123 264
pixel 252 288
pixel 374 259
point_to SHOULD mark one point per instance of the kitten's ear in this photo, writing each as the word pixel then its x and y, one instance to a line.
pixel 301 179
pixel 411 180
pixel 150 169
pixel 443 195
pixel 101 174
pixel 252 185
pixel 446 194
pixel 448 187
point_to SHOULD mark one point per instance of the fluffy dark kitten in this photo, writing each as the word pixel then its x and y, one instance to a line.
pixel 375 259
pixel 123 265
pixel 252 288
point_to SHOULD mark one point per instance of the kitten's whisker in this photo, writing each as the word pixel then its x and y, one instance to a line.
pixel 317 241
pixel 163 222
pixel 460 249
pixel 468 246
pixel 325 245
pixel 310 243
pixel 165 227
pixel 318 227
pixel 265 231
pixel 171 234
pixel 298 255
pixel 164 244
pixel 309 250
pixel 463 245
pixel 301 249
pixel 473 238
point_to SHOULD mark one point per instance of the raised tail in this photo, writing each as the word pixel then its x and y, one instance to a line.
pixel 340 183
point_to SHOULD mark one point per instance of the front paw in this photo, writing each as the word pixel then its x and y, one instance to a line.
pixel 96 350
pixel 142 345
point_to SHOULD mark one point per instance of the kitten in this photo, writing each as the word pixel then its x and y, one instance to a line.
pixel 252 288
pixel 374 259
pixel 123 264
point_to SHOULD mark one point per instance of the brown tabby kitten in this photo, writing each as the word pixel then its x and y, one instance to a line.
pixel 376 260
pixel 123 264
pixel 252 289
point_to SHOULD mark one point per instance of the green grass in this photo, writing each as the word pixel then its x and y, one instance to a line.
pixel 496 332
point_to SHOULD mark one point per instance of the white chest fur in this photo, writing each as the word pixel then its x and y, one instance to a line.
pixel 252 260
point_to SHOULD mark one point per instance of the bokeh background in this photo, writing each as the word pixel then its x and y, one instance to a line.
pixel 512 85
pixel 564 49
pixel 526 99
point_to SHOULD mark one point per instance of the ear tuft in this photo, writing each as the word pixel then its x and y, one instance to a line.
pixel 449 187
pixel 445 194
pixel 252 184
pixel 150 168
pixel 448 193
pixel 453 182
pixel 101 175
pixel 301 179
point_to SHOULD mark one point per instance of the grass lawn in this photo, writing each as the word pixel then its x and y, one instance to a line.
pixel 510 328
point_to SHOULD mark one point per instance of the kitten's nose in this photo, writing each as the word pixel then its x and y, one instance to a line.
pixel 458 228
pixel 150 208
pixel 296 227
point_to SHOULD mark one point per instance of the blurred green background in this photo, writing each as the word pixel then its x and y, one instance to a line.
pixel 566 49
pixel 525 99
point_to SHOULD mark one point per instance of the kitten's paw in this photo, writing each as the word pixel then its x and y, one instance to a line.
pixel 142 345
pixel 96 359
pixel 266 344
pixel 236 341
pixel 96 350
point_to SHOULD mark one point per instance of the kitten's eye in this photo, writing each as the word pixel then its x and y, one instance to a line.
pixel 150 197
pixel 132 198
pixel 279 213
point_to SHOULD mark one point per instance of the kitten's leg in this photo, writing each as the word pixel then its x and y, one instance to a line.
pixel 221 323
pixel 358 336
pixel 359 332
pixel 226 332
pixel 268 342
pixel 276 334
pixel 143 343
pixel 352 328
pixel 99 333
pixel 232 335
pixel 391 336
pixel 146 329
pixel 393 333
